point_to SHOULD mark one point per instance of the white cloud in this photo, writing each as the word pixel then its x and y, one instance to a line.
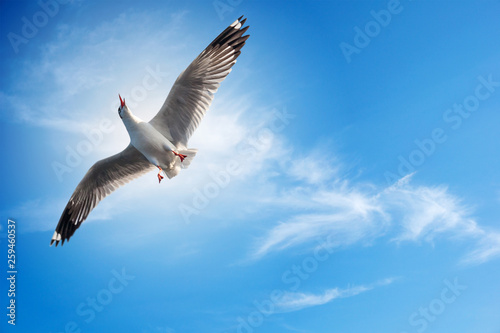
pixel 345 212
pixel 294 301
pixel 356 213
pixel 488 248
pixel 424 212
pixel 313 170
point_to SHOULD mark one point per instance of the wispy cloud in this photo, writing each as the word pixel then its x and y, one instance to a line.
pixel 423 212
pixel 294 301
pixel 488 248
pixel 346 212
pixel 350 213
pixel 313 171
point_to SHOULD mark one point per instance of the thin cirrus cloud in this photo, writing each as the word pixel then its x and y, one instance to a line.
pixel 488 247
pixel 347 213
pixel 295 301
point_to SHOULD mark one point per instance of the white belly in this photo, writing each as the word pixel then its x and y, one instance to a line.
pixel 152 144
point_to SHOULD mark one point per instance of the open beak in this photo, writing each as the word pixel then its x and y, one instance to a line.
pixel 122 101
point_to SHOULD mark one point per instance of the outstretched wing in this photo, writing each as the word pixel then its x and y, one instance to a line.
pixel 103 177
pixel 192 92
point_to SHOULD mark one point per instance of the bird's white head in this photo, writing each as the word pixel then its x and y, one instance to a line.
pixel 123 110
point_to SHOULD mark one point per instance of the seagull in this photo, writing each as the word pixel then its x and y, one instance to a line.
pixel 162 142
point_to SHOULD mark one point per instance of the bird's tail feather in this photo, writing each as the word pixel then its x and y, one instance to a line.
pixel 187 156
pixel 189 153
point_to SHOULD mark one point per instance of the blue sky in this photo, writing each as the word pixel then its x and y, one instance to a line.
pixel 346 181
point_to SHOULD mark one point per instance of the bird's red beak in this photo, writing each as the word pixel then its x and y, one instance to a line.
pixel 122 101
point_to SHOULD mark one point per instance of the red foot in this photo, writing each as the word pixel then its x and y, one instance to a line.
pixel 181 156
pixel 160 177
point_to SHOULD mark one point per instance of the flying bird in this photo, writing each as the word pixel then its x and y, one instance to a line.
pixel 162 142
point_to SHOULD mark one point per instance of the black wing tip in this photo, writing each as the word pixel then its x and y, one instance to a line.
pixel 232 36
pixel 58 241
pixel 66 226
pixel 242 29
pixel 64 229
pixel 241 21
pixel 56 238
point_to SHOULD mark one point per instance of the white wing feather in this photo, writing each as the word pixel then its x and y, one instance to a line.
pixel 102 179
pixel 193 91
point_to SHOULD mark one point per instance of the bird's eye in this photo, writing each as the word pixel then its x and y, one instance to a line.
pixel 118 109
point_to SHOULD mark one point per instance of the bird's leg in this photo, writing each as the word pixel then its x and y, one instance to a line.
pixel 181 156
pixel 160 177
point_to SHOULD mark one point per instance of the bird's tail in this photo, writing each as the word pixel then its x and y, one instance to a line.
pixel 186 156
